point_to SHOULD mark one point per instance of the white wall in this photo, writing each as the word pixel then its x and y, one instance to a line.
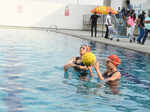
pixel 73 21
pixel 42 14
pixel 116 3
pixel 146 5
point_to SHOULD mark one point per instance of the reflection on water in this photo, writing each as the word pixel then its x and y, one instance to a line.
pixel 135 76
pixel 13 70
pixel 32 76
pixel 93 86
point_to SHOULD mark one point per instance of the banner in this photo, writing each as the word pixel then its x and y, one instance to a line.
pixel 67 11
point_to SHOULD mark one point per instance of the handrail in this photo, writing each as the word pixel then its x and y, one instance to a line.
pixel 53 27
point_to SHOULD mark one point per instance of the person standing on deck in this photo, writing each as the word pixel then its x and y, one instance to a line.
pixel 147 27
pixel 93 21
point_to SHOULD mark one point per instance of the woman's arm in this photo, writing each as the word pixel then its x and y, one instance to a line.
pixel 105 72
pixel 90 70
pixel 146 21
pixel 96 66
pixel 79 66
pixel 69 64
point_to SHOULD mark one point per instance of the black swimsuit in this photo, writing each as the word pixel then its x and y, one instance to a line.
pixel 81 71
pixel 108 76
pixel 114 82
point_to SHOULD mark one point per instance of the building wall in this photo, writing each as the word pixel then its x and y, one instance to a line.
pixel 116 3
pixel 138 4
pixel 107 2
pixel 42 14
pixel 146 5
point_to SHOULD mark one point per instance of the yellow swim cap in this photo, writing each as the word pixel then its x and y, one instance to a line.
pixel 89 59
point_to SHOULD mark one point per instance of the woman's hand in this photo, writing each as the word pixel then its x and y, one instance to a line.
pixel 96 66
pixel 73 65
pixel 90 70
pixel 69 64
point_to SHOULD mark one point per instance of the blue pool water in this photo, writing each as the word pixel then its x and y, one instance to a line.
pixel 32 76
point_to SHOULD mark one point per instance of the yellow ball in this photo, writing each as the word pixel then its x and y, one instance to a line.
pixel 89 59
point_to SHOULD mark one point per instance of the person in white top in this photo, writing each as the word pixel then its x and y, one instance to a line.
pixel 107 24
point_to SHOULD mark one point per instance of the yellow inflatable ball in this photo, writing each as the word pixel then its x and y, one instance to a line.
pixel 89 59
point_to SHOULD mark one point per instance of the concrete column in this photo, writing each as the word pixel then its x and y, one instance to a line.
pixel 107 2
pixel 78 2
pixel 124 3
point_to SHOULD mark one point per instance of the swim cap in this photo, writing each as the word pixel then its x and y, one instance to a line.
pixel 87 47
pixel 89 59
pixel 85 43
pixel 114 59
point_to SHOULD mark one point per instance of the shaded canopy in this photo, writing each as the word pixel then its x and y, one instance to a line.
pixel 104 10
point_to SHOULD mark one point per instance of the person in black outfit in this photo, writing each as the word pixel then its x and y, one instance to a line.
pixel 93 21
pixel 140 23
pixel 147 27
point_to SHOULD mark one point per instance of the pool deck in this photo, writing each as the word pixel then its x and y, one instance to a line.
pixel 123 43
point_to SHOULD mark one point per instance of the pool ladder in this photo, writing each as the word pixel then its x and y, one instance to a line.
pixel 52 27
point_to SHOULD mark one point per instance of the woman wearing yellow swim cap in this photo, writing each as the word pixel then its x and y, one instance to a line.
pixel 83 50
pixel 84 63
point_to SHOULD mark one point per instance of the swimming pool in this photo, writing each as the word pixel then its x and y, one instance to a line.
pixel 32 76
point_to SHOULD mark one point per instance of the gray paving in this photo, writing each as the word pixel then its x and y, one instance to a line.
pixel 123 43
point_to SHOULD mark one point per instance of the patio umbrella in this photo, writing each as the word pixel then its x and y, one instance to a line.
pixel 104 10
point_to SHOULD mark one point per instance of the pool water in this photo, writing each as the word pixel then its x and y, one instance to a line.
pixel 32 76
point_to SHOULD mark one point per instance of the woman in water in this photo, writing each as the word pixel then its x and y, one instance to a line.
pixel 77 64
pixel 111 75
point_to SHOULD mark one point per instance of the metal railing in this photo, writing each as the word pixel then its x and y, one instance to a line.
pixel 101 21
pixel 52 27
